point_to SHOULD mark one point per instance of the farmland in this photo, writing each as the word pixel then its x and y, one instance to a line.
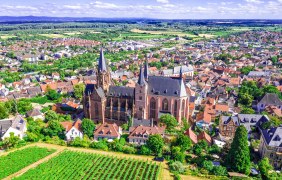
pixel 17 160
pixel 174 33
pixel 79 165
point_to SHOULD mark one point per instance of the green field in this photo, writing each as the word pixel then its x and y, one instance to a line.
pixel 78 165
pixel 15 161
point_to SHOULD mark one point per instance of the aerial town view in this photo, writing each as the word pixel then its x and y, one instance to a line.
pixel 141 90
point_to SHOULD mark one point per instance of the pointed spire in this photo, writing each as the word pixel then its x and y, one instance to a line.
pixel 181 73
pixel 102 66
pixel 141 79
pixel 146 70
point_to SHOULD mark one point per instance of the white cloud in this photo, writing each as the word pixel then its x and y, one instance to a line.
pixel 163 1
pixel 102 8
pixel 255 1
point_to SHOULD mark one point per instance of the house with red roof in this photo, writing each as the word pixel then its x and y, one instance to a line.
pixel 203 136
pixel 140 134
pixel 72 129
pixel 107 131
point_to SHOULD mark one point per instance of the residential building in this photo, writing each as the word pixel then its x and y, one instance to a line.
pixel 269 99
pixel 107 131
pixel 16 126
pixel 229 124
pixel 72 129
pixel 140 134
pixel 271 146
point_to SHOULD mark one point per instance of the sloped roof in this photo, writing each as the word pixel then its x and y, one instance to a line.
pixel 34 112
pixel 273 136
pixel 166 86
pixel 121 91
pixel 271 98
pixel 141 130
pixel 204 136
pixel 110 130
pixel 192 135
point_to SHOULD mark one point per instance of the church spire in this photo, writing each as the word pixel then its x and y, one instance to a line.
pixel 141 79
pixel 181 73
pixel 146 70
pixel 102 66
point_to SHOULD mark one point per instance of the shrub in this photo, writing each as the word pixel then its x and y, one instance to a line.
pixel 129 150
pixel 100 145
pixel 177 167
pixel 144 150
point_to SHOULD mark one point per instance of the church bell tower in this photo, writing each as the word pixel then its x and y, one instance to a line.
pixel 104 74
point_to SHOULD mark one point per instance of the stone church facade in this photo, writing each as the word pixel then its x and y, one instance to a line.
pixel 151 97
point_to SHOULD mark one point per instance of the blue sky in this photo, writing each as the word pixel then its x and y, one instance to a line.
pixel 164 9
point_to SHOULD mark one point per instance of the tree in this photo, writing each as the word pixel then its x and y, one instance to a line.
pixel 208 165
pixel 51 115
pixel 78 90
pixel 246 110
pixel 184 142
pixel 245 70
pixel 177 167
pixel 11 141
pixel 203 144
pixel 185 124
pixel 169 121
pixel 88 127
pixel 274 59
pixel 238 157
pixel 54 128
pixel 219 171
pixel 197 149
pixel 52 94
pixel 23 106
pixel 245 99
pixel 144 150
pixel 270 89
pixel 3 112
pixel 265 168
pixel 155 143
pixel 275 121
pixel 177 154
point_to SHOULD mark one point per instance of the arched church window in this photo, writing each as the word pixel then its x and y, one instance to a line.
pixel 96 110
pixel 152 108
pixel 165 105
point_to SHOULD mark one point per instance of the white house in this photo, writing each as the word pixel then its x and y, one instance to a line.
pixel 73 129
pixel 18 127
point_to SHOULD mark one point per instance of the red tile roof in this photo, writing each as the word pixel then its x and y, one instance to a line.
pixel 192 135
pixel 141 130
pixel 110 130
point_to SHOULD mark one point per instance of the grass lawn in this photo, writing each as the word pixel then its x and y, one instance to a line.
pixel 53 35
pixel 173 33
pixel 6 36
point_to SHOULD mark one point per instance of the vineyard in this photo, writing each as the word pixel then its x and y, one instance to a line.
pixel 17 160
pixel 78 165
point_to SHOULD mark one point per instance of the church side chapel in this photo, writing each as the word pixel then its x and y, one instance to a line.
pixel 152 97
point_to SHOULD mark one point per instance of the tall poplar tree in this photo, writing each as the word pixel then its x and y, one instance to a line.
pixel 238 158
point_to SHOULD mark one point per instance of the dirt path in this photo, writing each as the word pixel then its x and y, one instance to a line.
pixel 165 174
pixel 22 171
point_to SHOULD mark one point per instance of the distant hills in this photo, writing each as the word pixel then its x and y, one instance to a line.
pixel 40 19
